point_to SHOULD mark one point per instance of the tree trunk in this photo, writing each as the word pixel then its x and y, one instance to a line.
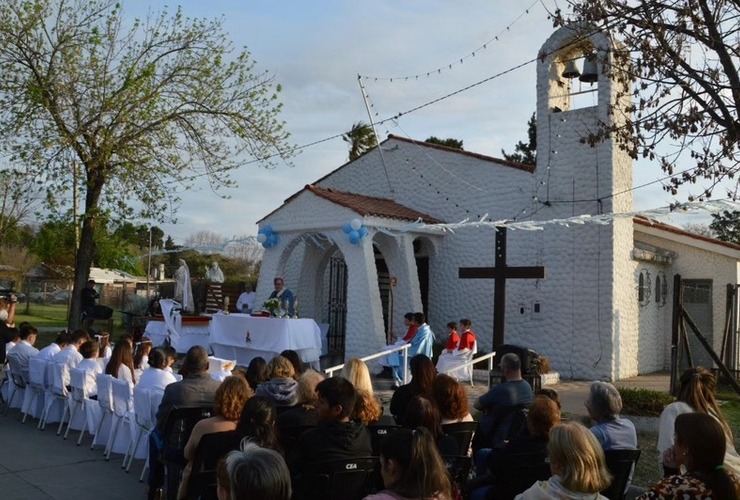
pixel 84 257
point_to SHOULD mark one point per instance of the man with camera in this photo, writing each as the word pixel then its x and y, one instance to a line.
pixel 8 331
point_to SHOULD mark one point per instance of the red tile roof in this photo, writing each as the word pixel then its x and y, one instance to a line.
pixel 677 230
pixel 370 205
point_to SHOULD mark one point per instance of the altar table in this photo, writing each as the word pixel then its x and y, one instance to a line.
pixel 189 334
pixel 243 337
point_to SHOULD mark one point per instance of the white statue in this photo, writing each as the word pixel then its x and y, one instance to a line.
pixel 214 273
pixel 183 288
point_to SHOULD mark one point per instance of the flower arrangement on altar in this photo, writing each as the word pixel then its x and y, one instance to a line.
pixel 273 306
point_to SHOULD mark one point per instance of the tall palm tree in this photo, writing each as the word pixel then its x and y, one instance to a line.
pixel 360 138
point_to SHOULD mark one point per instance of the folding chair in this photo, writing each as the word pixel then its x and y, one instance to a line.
pixel 78 400
pixel 347 479
pixel 378 432
pixel 621 464
pixel 105 401
pixel 463 433
pixel 17 382
pixel 57 376
pixel 122 398
pixel 36 374
pixel 202 484
pixel 459 469
pixel 155 398
pixel 177 428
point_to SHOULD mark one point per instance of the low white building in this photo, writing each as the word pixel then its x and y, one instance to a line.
pixel 589 315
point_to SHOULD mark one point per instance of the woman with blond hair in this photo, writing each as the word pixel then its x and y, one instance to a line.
pixel 355 370
pixel 577 464
pixel 695 394
pixel 228 404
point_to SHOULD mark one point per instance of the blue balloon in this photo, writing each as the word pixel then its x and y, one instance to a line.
pixel 273 238
pixel 363 232
pixel 354 237
pixel 268 244
pixel 266 229
pixel 347 228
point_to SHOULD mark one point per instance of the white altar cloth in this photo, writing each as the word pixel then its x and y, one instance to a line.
pixel 243 337
pixel 186 337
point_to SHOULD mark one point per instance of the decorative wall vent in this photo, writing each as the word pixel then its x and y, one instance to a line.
pixel 661 288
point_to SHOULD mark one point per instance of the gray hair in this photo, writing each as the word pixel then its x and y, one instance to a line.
pixel 307 383
pixel 604 400
pixel 511 361
pixel 256 472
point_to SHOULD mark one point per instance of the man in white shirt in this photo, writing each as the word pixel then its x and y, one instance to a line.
pixel 70 355
pixel 52 349
pixel 245 302
pixel 24 349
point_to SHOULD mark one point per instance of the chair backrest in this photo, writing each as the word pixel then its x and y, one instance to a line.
pixel 143 407
pixel 459 469
pixel 377 433
pixel 37 372
pixel 620 463
pixel 288 436
pixel 463 433
pixel 179 424
pixel 16 371
pixel 77 381
pixel 155 399
pixel 523 469
pixel 105 391
pixel 202 484
pixel 345 479
pixel 121 393
pixel 58 378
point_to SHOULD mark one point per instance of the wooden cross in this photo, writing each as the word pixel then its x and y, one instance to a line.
pixel 500 272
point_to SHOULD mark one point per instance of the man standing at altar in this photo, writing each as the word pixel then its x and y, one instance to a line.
pixel 284 295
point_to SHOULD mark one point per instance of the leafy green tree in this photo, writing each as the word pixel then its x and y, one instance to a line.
pixel 526 153
pixel 449 142
pixel 726 226
pixel 361 138
pixel 140 106
pixel 683 55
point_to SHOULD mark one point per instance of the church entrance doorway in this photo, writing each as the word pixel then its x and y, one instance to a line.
pixel 337 307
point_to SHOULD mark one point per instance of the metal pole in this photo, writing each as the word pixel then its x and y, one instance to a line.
pixel 149 266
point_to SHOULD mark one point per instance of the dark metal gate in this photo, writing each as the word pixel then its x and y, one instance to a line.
pixel 337 306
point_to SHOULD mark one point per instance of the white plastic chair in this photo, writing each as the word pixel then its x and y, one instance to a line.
pixel 155 399
pixel 17 383
pixel 122 409
pixel 36 374
pixel 105 401
pixel 142 420
pixel 56 391
pixel 78 400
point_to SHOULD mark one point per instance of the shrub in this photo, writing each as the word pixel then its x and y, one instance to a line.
pixel 644 402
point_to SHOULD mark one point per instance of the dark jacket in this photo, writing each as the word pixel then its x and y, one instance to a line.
pixel 197 389
pixel 7 334
pixel 331 440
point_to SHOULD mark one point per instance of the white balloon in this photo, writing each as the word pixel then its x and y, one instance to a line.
pixel 261 237
pixel 355 224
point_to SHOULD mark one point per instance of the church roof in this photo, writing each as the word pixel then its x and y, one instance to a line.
pixel 370 205
pixel 506 163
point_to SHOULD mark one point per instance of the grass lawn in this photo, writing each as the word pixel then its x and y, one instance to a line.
pixel 50 319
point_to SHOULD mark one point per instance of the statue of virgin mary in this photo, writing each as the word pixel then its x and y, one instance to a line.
pixel 183 288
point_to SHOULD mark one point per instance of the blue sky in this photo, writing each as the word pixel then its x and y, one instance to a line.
pixel 316 49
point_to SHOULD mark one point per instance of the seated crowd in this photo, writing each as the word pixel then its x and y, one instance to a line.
pixel 266 431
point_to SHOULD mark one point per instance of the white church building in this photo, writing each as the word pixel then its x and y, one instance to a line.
pixel 603 309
